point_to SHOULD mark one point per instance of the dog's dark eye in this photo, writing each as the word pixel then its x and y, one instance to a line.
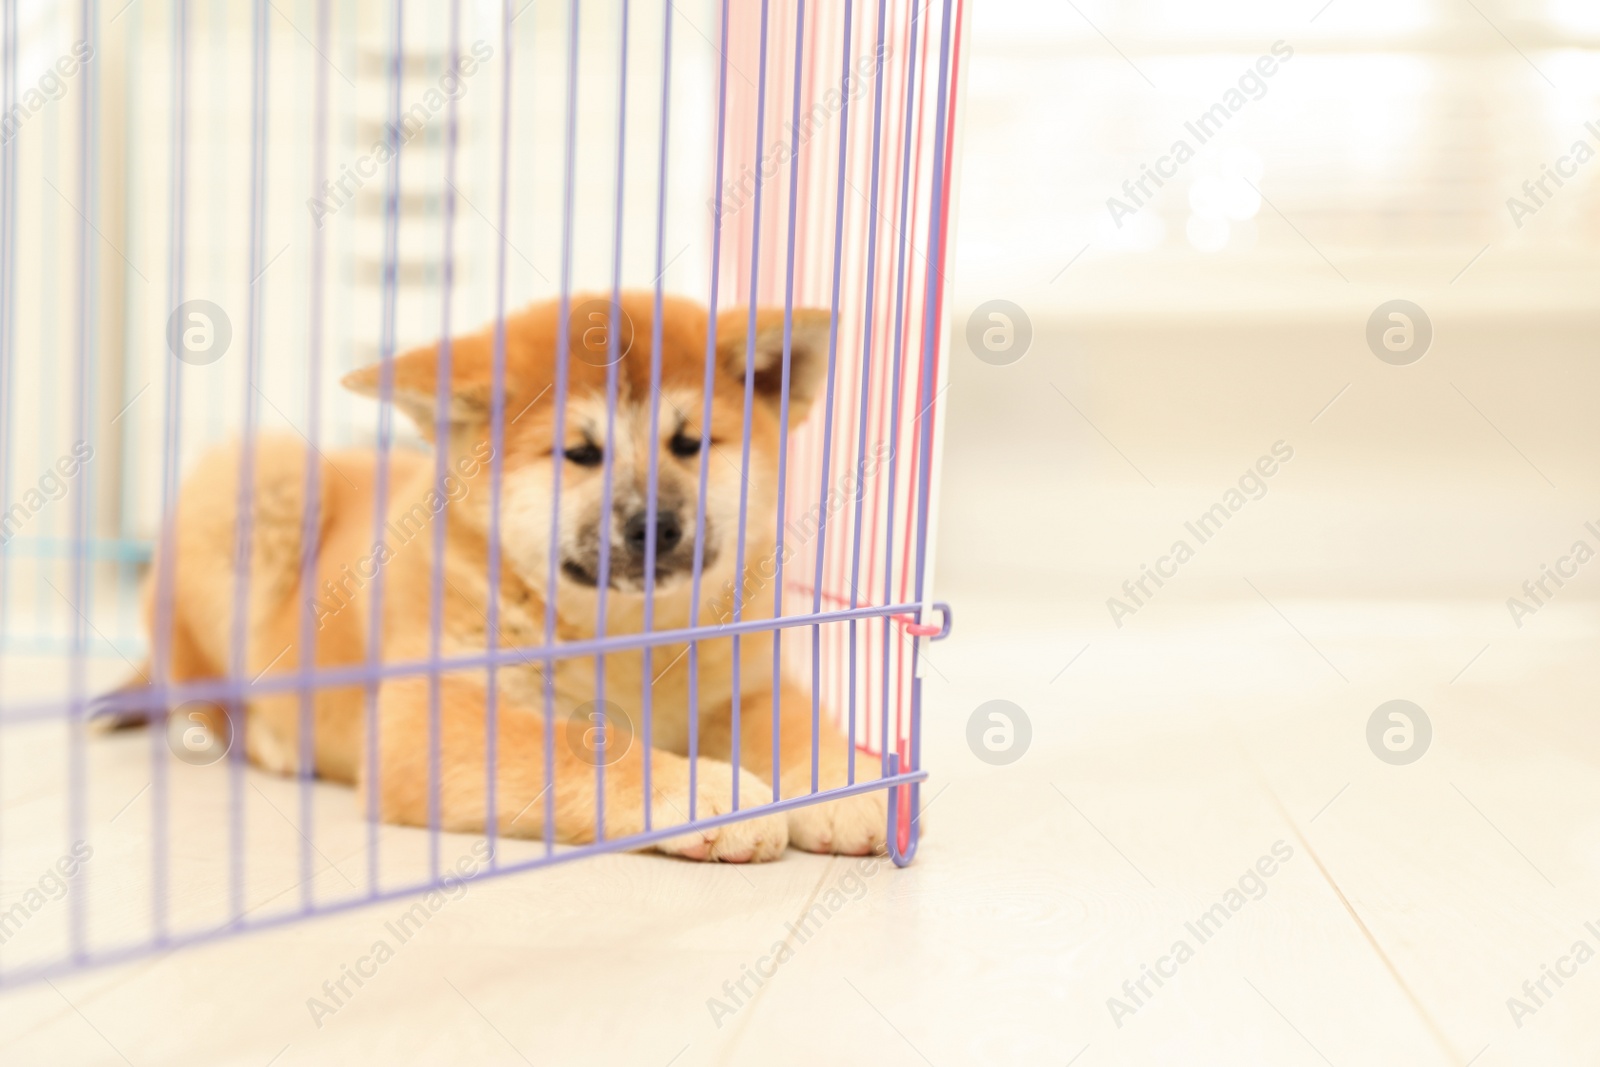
pixel 683 446
pixel 585 455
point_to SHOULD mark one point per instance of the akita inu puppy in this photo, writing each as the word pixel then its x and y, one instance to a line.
pixel 349 554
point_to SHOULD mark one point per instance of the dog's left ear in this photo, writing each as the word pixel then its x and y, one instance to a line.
pixel 808 354
pixel 414 383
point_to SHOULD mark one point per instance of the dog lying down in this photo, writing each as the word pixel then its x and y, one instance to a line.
pixel 347 558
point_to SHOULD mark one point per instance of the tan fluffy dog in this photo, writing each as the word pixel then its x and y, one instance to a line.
pixel 349 558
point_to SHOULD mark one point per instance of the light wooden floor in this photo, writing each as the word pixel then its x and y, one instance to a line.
pixel 1165 761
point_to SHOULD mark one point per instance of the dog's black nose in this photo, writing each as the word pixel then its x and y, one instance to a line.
pixel 669 531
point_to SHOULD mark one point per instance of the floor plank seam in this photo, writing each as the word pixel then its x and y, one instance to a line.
pixel 811 898
pixel 1426 1016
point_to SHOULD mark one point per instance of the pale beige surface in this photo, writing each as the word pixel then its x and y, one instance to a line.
pixel 1164 763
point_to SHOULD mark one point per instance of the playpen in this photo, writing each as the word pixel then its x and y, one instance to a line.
pixel 211 211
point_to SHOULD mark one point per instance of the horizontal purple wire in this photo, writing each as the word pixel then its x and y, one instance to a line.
pixel 355 675
pixel 27 976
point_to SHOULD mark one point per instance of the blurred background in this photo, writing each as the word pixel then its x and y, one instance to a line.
pixel 1174 339
pixel 1408 551
pixel 1173 346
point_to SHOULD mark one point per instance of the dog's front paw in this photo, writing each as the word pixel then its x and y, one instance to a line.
pixel 852 826
pixel 756 839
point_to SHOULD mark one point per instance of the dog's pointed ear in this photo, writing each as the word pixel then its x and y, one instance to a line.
pixel 414 384
pixel 808 354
